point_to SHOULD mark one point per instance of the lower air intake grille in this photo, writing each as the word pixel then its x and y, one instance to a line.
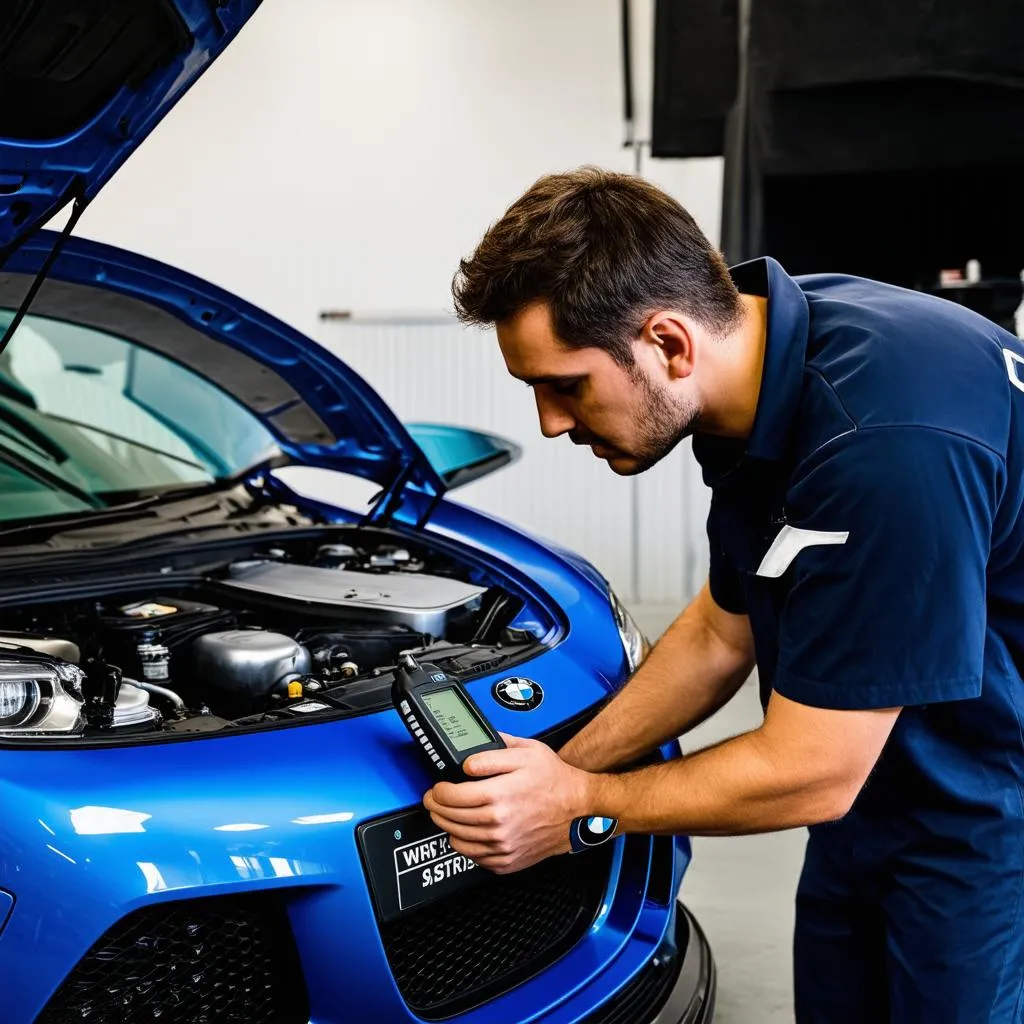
pixel 641 998
pixel 473 946
pixel 223 960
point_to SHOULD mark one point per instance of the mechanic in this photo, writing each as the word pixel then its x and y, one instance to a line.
pixel 865 449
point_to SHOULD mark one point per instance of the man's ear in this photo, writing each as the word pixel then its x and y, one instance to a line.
pixel 671 337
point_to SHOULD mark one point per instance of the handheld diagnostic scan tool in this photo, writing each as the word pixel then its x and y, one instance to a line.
pixel 441 717
pixel 445 721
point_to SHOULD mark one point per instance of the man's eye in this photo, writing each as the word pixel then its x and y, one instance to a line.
pixel 569 387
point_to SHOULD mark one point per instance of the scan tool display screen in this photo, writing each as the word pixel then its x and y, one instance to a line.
pixel 455 719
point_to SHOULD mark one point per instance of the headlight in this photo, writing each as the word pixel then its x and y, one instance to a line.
pixel 633 639
pixel 39 696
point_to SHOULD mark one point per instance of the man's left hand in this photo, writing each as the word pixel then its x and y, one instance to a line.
pixel 517 809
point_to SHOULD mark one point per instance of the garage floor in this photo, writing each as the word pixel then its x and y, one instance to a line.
pixel 741 890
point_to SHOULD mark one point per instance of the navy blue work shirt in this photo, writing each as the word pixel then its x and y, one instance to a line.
pixel 872 527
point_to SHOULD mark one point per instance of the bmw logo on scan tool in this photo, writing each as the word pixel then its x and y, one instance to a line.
pixel 518 693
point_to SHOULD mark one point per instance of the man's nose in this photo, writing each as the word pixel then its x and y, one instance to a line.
pixel 554 420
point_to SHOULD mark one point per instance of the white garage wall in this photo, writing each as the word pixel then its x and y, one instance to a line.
pixel 634 530
pixel 343 154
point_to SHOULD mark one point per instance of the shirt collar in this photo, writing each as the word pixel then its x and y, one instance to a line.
pixel 784 357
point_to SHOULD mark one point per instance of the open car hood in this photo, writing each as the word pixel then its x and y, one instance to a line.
pixel 320 411
pixel 84 82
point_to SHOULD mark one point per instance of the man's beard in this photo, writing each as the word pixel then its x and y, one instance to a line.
pixel 662 424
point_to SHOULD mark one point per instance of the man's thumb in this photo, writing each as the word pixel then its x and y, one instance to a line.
pixel 516 741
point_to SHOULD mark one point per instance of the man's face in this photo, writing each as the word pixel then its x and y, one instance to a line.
pixel 630 418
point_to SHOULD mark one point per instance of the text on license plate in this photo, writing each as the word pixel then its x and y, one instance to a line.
pixel 425 863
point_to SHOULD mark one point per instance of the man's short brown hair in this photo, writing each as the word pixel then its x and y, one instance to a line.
pixel 604 250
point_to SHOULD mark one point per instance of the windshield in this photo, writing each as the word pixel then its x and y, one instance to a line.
pixel 89 420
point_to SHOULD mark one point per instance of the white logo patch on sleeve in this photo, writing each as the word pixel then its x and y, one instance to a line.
pixel 1013 365
pixel 789 542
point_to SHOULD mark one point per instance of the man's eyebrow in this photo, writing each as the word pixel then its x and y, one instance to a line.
pixel 550 378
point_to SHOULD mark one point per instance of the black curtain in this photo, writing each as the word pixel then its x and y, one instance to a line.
pixel 883 136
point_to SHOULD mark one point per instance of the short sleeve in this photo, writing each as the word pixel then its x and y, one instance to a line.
pixel 723 577
pixel 895 614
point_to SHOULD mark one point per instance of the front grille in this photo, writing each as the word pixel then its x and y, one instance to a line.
pixel 471 947
pixel 221 960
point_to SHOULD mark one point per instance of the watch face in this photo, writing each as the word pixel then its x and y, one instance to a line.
pixel 517 693
pixel 594 831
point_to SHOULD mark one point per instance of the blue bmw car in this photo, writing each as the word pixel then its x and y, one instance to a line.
pixel 211 810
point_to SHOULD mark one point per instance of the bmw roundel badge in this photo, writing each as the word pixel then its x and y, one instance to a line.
pixel 518 693
pixel 587 832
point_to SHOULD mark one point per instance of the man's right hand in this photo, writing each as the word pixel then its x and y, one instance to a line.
pixel 693 670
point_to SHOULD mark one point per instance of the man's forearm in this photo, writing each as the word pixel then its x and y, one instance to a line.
pixel 734 788
pixel 689 675
pixel 804 765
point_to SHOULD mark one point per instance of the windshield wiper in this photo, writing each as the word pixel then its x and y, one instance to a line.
pixel 34 435
pixel 103 514
pixel 127 440
pixel 36 472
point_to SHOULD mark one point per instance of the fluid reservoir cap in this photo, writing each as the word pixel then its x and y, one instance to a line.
pixel 336 551
pixel 294 689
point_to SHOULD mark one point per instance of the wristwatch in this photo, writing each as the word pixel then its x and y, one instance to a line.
pixel 587 832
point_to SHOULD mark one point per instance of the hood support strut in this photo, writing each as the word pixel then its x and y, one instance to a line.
pixel 75 195
pixel 389 500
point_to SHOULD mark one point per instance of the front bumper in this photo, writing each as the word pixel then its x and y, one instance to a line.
pixel 677 986
pixel 692 997
pixel 96 836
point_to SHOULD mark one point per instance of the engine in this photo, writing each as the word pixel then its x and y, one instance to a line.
pixel 282 633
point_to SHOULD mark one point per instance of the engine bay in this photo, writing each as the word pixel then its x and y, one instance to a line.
pixel 291 631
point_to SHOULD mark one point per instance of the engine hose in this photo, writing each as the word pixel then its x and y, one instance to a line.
pixel 159 691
